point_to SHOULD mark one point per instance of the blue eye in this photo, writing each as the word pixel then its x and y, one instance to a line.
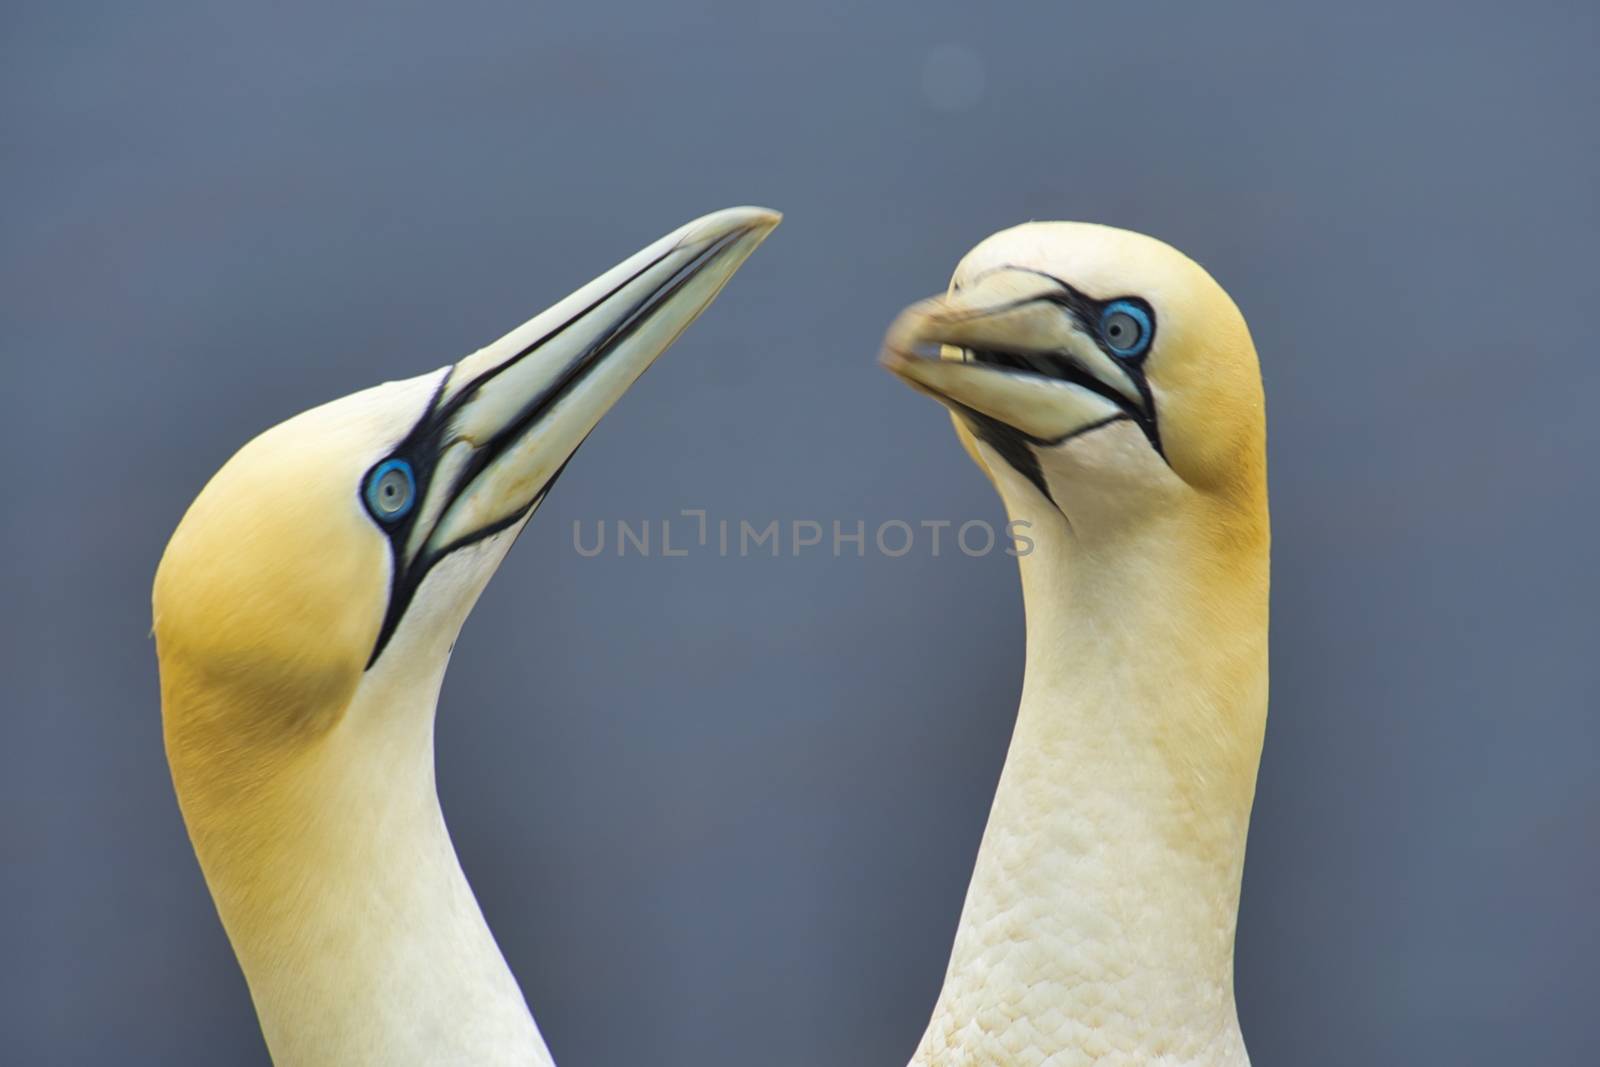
pixel 391 490
pixel 1126 329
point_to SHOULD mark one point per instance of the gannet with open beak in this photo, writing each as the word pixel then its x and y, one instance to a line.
pixel 305 610
pixel 1109 388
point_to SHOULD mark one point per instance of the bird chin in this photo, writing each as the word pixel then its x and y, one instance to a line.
pixel 445 597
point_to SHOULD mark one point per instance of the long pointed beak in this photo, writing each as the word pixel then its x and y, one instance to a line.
pixel 507 418
pixel 1009 348
pixel 513 413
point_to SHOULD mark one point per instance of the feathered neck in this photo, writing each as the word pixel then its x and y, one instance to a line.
pixel 1099 924
pixel 335 877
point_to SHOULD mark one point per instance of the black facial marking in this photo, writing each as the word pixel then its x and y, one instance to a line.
pixel 1019 449
pixel 1012 445
pixel 428 438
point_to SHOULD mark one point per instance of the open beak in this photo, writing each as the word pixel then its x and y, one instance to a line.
pixel 1010 349
pixel 507 418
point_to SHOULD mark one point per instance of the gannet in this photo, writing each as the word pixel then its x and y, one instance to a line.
pixel 1110 390
pixel 305 611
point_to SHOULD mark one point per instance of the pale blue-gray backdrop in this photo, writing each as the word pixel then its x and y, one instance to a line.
pixel 722 811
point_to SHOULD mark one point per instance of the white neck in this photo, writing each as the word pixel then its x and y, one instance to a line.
pixel 355 926
pixel 1099 924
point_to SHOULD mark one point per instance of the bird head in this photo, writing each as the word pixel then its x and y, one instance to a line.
pixel 340 551
pixel 1091 371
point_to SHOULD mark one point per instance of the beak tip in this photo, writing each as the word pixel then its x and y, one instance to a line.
pixel 760 218
pixel 766 217
pixel 912 331
pixel 905 364
pixel 754 222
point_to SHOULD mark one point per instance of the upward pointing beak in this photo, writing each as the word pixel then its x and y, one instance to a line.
pixel 511 414
pixel 508 417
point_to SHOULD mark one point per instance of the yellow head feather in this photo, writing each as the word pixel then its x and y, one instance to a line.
pixel 269 597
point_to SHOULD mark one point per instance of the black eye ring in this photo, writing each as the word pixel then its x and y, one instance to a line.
pixel 391 490
pixel 1125 328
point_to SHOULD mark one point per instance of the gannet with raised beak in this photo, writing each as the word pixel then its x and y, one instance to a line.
pixel 1109 388
pixel 304 614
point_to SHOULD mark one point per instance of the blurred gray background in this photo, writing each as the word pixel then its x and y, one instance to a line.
pixel 723 811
